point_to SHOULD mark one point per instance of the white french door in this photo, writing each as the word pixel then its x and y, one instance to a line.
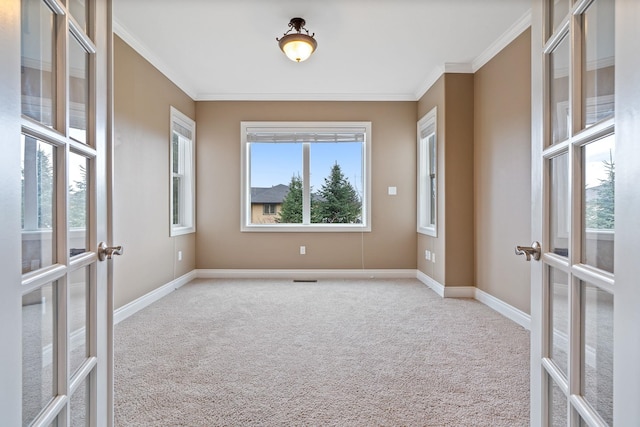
pixel 582 184
pixel 55 294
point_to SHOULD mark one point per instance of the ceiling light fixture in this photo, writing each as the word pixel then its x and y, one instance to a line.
pixel 297 46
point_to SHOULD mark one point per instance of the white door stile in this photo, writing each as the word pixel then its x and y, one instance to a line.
pixel 538 383
pixel 627 297
pixel 10 238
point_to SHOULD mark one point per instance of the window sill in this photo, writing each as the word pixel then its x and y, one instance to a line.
pixel 293 228
pixel 179 231
pixel 428 231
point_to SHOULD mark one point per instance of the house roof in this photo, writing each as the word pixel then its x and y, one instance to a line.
pixel 275 194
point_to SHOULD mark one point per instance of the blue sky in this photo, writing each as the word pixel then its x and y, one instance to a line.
pixel 276 163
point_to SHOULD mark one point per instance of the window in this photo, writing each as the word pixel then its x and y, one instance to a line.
pixel 182 187
pixel 316 173
pixel 269 209
pixel 427 176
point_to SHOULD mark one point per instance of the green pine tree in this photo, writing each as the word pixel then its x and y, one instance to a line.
pixel 337 201
pixel 600 211
pixel 78 201
pixel 44 177
pixel 291 212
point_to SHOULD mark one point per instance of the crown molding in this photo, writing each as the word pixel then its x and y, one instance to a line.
pixel 156 62
pixel 503 41
pixel 356 97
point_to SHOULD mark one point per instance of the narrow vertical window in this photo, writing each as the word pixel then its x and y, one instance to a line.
pixel 427 176
pixel 182 174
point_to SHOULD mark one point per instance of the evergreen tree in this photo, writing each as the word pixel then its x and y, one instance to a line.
pixel 291 212
pixel 601 209
pixel 337 201
pixel 44 177
pixel 78 201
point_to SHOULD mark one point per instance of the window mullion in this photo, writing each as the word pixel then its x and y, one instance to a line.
pixel 306 186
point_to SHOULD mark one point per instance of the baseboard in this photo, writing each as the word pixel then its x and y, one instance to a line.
pixel 136 305
pixel 438 288
pixel 508 311
pixel 305 274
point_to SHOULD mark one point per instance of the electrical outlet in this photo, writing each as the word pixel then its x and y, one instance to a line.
pixel 433 258
pixel 303 250
pixel 427 255
pixel 179 255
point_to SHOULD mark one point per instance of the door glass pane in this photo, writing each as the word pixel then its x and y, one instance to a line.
pixel 598 199
pixel 78 10
pixel 38 350
pixel 598 66
pixel 80 405
pixel 276 176
pixel 558 10
pixel 336 183
pixel 78 312
pixel 559 205
pixel 78 206
pixel 78 90
pixel 38 77
pixel 559 321
pixel 559 92
pixel 557 405
pixel 598 350
pixel 38 162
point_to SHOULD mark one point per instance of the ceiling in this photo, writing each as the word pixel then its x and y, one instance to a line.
pixel 367 49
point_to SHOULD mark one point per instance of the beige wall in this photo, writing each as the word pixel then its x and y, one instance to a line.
pixel 141 191
pixel 390 245
pixel 452 94
pixel 483 182
pixel 458 158
pixel 502 173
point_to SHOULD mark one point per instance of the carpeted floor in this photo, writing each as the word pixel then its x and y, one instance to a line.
pixel 331 353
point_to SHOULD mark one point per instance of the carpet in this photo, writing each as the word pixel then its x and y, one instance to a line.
pixel 332 353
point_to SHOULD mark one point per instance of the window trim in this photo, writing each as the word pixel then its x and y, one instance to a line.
pixel 319 126
pixel 427 126
pixel 188 207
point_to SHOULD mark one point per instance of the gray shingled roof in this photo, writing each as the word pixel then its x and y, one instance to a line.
pixel 275 194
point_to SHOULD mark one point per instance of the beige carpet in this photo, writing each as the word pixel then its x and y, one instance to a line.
pixel 332 353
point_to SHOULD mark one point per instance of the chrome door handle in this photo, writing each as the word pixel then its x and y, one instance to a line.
pixel 107 252
pixel 530 251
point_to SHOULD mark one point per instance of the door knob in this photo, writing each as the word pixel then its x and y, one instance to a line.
pixel 530 251
pixel 107 252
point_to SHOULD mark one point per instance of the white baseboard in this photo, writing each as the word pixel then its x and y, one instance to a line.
pixel 438 288
pixel 136 305
pixel 508 311
pixel 305 274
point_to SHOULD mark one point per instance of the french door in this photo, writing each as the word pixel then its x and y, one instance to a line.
pixel 55 288
pixel 582 193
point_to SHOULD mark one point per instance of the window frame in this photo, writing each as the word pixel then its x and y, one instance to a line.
pixel 269 208
pixel 427 128
pixel 292 127
pixel 187 204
